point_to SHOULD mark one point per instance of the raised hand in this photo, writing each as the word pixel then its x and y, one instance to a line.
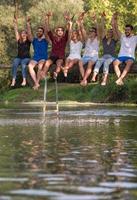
pixel 93 16
pixel 67 16
pixel 78 22
pixel 114 18
pixel 103 14
pixel 49 14
pixel 81 16
pixel 15 18
pixel 28 19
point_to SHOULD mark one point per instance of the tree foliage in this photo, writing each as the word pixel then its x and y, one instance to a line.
pixel 127 10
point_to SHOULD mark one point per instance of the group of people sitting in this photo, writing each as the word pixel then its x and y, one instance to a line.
pixel 79 40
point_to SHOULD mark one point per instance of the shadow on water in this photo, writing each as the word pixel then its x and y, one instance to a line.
pixel 83 154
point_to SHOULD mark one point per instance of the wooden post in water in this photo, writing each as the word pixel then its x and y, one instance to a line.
pixel 57 104
pixel 45 97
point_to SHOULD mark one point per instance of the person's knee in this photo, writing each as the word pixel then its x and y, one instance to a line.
pixel 80 63
pixel 116 63
pixel 15 63
pixel 107 62
pixel 59 64
pixel 31 66
pixel 23 65
pixel 129 63
pixel 90 64
pixel 40 66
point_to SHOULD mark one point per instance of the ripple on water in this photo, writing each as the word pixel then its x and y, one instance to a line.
pixel 83 197
pixel 35 192
pixel 122 174
pixel 123 185
pixel 13 179
pixel 58 195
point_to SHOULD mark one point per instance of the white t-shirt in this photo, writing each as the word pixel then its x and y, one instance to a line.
pixel 128 46
pixel 75 50
pixel 91 48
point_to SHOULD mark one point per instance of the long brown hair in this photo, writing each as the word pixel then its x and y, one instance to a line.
pixel 21 39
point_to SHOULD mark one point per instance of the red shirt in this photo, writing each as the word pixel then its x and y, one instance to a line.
pixel 58 46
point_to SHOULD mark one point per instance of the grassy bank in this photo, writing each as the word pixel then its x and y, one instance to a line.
pixel 74 92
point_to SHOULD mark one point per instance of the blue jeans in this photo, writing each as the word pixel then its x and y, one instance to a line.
pixel 106 60
pixel 16 63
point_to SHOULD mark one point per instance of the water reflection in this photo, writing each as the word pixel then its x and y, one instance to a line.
pixel 72 157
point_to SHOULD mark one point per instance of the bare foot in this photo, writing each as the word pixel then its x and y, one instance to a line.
pixel 103 83
pixel 55 75
pixel 42 75
pixel 119 82
pixel 65 72
pixel 83 83
pixel 23 83
pixel 36 86
pixel 93 80
pixel 13 83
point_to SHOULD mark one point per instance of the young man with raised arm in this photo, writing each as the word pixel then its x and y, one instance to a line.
pixel 127 51
pixel 59 39
pixel 40 46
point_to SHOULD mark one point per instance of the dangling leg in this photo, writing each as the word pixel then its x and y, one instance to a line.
pixel 87 73
pixel 59 64
pixel 97 68
pixel 32 72
pixel 15 66
pixel 24 64
pixel 124 73
pixel 106 70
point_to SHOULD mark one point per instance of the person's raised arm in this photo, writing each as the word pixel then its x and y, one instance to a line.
pixel 69 29
pixel 30 35
pixel 47 21
pixel 103 30
pixel 94 18
pixel 82 29
pixel 114 23
pixel 68 26
pixel 46 25
pixel 15 22
pixel 48 31
pixel 68 21
pixel 79 30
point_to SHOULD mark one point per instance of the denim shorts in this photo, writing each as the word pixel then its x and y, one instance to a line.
pixel 125 58
pixel 86 59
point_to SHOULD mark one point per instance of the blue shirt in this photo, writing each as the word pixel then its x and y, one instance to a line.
pixel 40 49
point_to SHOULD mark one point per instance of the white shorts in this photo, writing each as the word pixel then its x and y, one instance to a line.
pixel 72 57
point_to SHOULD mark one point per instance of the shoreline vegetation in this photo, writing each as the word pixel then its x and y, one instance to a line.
pixel 74 94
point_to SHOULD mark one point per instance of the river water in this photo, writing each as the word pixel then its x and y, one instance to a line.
pixel 87 153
